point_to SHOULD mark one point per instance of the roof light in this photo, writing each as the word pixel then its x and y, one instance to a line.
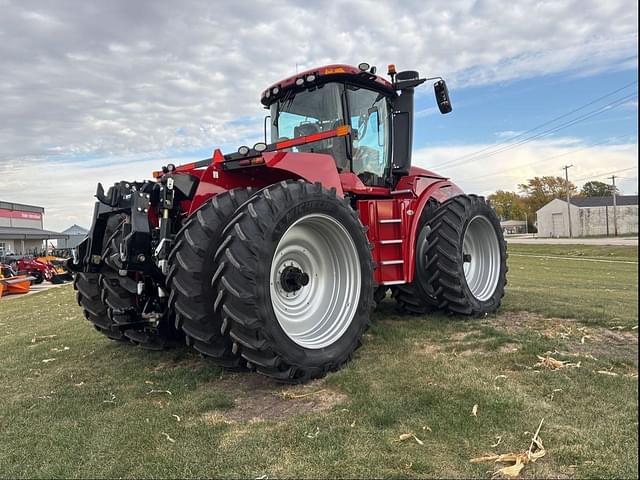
pixel 391 69
pixel 275 90
pixel 267 94
pixel 310 78
pixel 299 81
pixel 260 147
pixel 243 150
pixel 364 66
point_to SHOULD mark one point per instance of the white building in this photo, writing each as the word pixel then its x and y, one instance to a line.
pixel 75 234
pixel 590 216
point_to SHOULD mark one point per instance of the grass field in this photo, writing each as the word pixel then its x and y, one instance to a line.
pixel 79 405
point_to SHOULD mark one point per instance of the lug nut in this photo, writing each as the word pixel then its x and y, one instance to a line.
pixel 141 258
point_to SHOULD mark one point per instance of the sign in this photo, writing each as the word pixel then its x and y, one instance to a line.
pixel 19 214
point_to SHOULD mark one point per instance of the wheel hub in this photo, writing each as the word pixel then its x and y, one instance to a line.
pixel 315 281
pixel 481 258
pixel 293 279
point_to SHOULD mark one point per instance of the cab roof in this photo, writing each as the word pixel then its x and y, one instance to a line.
pixel 324 74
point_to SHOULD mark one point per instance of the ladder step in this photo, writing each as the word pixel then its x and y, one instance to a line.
pixel 391 262
pixel 394 282
pixel 390 242
pixel 391 220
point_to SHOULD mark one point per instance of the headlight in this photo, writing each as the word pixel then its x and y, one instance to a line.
pixel 260 147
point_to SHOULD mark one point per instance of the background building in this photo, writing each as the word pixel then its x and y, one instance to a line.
pixel 512 227
pixel 21 229
pixel 75 234
pixel 590 216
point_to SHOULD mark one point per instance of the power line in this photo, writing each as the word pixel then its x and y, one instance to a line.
pixel 588 177
pixel 600 175
pixel 593 113
pixel 537 162
pixel 549 121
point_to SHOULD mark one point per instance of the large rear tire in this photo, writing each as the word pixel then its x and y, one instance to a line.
pixel 120 295
pixel 467 256
pixel 418 297
pixel 89 296
pixel 295 281
pixel 190 277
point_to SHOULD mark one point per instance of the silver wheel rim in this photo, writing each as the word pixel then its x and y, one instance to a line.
pixel 481 257
pixel 317 314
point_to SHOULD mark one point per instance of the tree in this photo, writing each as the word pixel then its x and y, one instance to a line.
pixel 597 189
pixel 539 191
pixel 508 205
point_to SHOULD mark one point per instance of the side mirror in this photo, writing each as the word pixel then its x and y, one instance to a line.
pixel 442 96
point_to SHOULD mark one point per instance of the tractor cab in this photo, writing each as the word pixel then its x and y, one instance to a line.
pixel 378 112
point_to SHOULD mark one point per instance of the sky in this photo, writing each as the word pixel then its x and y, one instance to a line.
pixel 98 91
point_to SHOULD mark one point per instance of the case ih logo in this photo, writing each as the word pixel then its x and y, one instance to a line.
pixel 19 214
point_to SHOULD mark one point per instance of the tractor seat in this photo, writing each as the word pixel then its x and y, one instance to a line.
pixel 303 130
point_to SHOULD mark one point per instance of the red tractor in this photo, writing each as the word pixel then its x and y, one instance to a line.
pixel 38 269
pixel 273 257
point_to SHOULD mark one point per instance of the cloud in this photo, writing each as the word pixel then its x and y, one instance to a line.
pixel 505 170
pixel 506 134
pixel 70 185
pixel 121 77
pixel 67 189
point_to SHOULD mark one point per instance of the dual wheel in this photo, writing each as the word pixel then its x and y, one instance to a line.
pixel 109 300
pixel 280 281
pixel 461 260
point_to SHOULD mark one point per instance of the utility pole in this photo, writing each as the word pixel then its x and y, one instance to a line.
pixel 615 217
pixel 566 176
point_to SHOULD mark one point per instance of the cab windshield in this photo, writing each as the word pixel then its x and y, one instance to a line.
pixel 307 112
pixel 303 113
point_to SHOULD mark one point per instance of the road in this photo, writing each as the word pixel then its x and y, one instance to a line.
pixel 530 239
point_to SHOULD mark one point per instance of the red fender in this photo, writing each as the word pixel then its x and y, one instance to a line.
pixel 278 166
pixel 438 189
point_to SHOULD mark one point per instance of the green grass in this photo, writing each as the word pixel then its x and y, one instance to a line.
pixel 596 292
pixel 90 413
